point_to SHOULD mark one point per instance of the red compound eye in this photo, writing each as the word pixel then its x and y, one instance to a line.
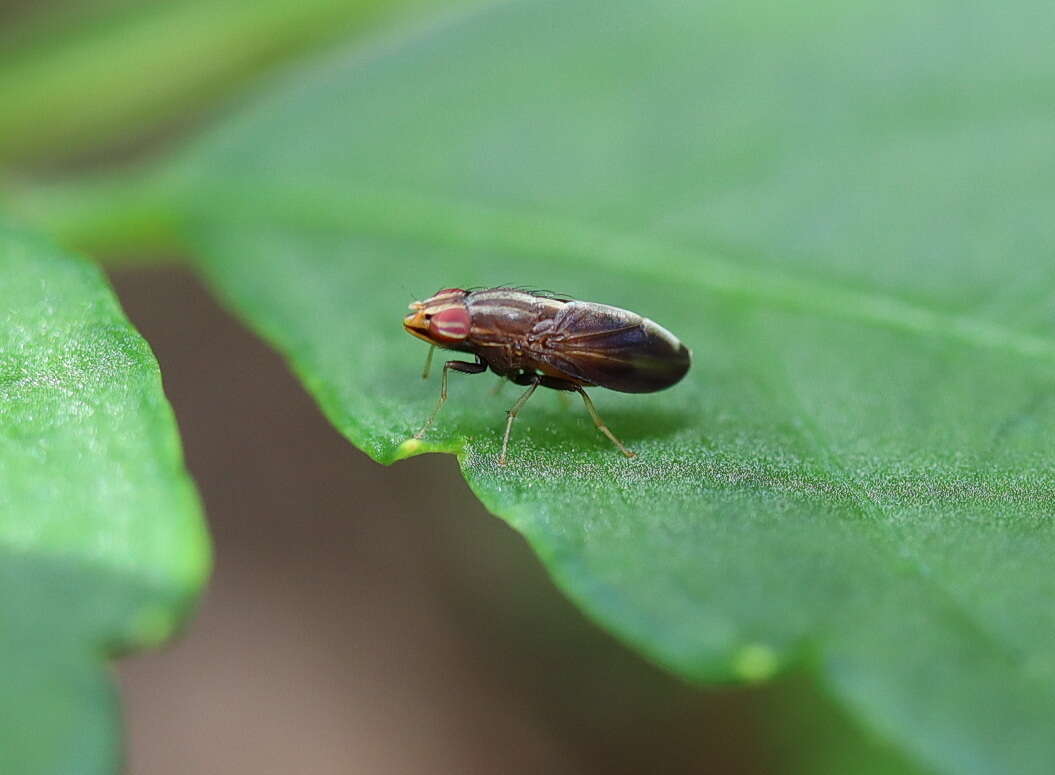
pixel 450 325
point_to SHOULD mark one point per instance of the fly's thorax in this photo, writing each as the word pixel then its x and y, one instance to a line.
pixel 501 315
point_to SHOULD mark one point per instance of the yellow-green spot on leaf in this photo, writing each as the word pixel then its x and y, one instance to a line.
pixel 408 448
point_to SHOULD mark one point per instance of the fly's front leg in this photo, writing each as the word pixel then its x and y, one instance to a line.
pixel 600 423
pixel 462 366
pixel 512 413
pixel 428 363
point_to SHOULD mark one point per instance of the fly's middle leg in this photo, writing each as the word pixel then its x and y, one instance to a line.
pixel 600 423
pixel 512 415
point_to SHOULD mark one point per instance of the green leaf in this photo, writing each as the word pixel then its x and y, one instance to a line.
pixel 843 208
pixel 102 545
pixel 810 735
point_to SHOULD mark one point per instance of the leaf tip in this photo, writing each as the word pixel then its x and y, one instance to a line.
pixel 153 627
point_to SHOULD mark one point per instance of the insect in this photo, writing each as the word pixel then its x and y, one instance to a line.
pixel 541 340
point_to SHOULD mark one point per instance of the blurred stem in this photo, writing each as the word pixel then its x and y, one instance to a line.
pixel 122 72
pixel 117 217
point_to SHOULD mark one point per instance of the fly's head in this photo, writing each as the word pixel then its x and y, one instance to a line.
pixel 442 319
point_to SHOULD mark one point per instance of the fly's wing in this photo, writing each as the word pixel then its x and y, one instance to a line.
pixel 615 348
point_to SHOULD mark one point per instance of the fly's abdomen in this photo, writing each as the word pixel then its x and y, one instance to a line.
pixel 617 349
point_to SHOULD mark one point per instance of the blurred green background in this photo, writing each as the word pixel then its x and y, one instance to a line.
pixel 360 618
pixel 88 82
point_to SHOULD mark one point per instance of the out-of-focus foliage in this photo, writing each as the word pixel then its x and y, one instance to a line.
pixel 102 544
pixel 90 76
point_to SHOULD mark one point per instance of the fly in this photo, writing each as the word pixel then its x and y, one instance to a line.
pixel 537 340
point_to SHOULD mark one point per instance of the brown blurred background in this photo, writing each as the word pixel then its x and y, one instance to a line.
pixel 371 619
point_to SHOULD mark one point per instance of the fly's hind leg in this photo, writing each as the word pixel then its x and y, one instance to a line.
pixel 600 423
pixel 462 366
pixel 524 379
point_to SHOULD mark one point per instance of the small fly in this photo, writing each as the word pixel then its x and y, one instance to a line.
pixel 539 340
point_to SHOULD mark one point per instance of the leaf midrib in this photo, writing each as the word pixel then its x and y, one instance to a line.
pixel 545 237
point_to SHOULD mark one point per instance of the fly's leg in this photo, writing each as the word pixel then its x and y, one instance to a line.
pixel 512 415
pixel 462 366
pixel 600 423
pixel 428 363
pixel 499 385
